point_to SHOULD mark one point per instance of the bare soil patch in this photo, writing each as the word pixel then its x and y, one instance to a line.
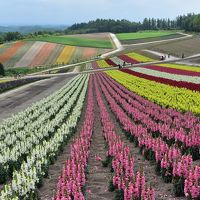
pixel 188 47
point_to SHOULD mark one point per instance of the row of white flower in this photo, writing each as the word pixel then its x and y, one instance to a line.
pixel 25 180
pixel 175 77
pixel 40 116
pixel 24 141
pixel 17 122
pixel 117 60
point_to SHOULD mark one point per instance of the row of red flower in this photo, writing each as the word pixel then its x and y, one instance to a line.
pixel 161 68
pixel 180 84
pixel 191 86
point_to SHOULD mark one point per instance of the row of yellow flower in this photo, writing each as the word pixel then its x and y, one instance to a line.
pixel 168 96
pixel 103 64
pixel 66 54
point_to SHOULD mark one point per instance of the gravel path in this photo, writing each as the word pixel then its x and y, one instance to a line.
pixel 117 44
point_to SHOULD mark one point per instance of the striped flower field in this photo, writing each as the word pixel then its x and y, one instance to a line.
pixel 170 80
pixel 33 54
pixel 171 74
pixel 110 135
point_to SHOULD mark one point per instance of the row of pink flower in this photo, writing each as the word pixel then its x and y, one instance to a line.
pixel 167 115
pixel 191 139
pixel 157 145
pixel 191 184
pixel 133 186
pixel 73 179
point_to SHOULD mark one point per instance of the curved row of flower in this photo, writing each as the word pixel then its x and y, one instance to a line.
pixel 156 149
pixel 187 137
pixel 166 115
pixel 18 121
pixel 72 181
pixel 170 76
pixel 21 143
pixel 179 98
pixel 172 70
pixel 36 114
pixel 25 181
pixel 133 186
pixel 167 81
pixel 135 58
pixel 175 77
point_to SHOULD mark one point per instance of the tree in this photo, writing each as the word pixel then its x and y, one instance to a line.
pixel 2 71
pixel 10 36
pixel 1 39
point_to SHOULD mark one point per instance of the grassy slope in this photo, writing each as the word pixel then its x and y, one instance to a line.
pixel 75 41
pixel 143 34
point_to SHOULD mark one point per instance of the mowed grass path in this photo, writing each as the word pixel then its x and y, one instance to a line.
pixel 143 35
pixel 75 41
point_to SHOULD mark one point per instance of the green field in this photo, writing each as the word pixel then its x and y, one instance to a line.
pixel 143 35
pixel 75 41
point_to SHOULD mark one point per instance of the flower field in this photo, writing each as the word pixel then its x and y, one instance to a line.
pixel 170 80
pixel 120 136
pixel 33 54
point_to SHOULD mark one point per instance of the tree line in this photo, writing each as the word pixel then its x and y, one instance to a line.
pixel 10 36
pixel 189 22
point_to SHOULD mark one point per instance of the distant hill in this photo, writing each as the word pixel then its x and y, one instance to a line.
pixel 31 29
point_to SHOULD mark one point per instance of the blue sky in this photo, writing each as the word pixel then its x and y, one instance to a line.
pixel 40 12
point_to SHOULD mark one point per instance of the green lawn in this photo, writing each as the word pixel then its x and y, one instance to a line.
pixel 75 41
pixel 143 35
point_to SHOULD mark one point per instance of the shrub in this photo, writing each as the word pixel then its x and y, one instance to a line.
pixel 2 71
